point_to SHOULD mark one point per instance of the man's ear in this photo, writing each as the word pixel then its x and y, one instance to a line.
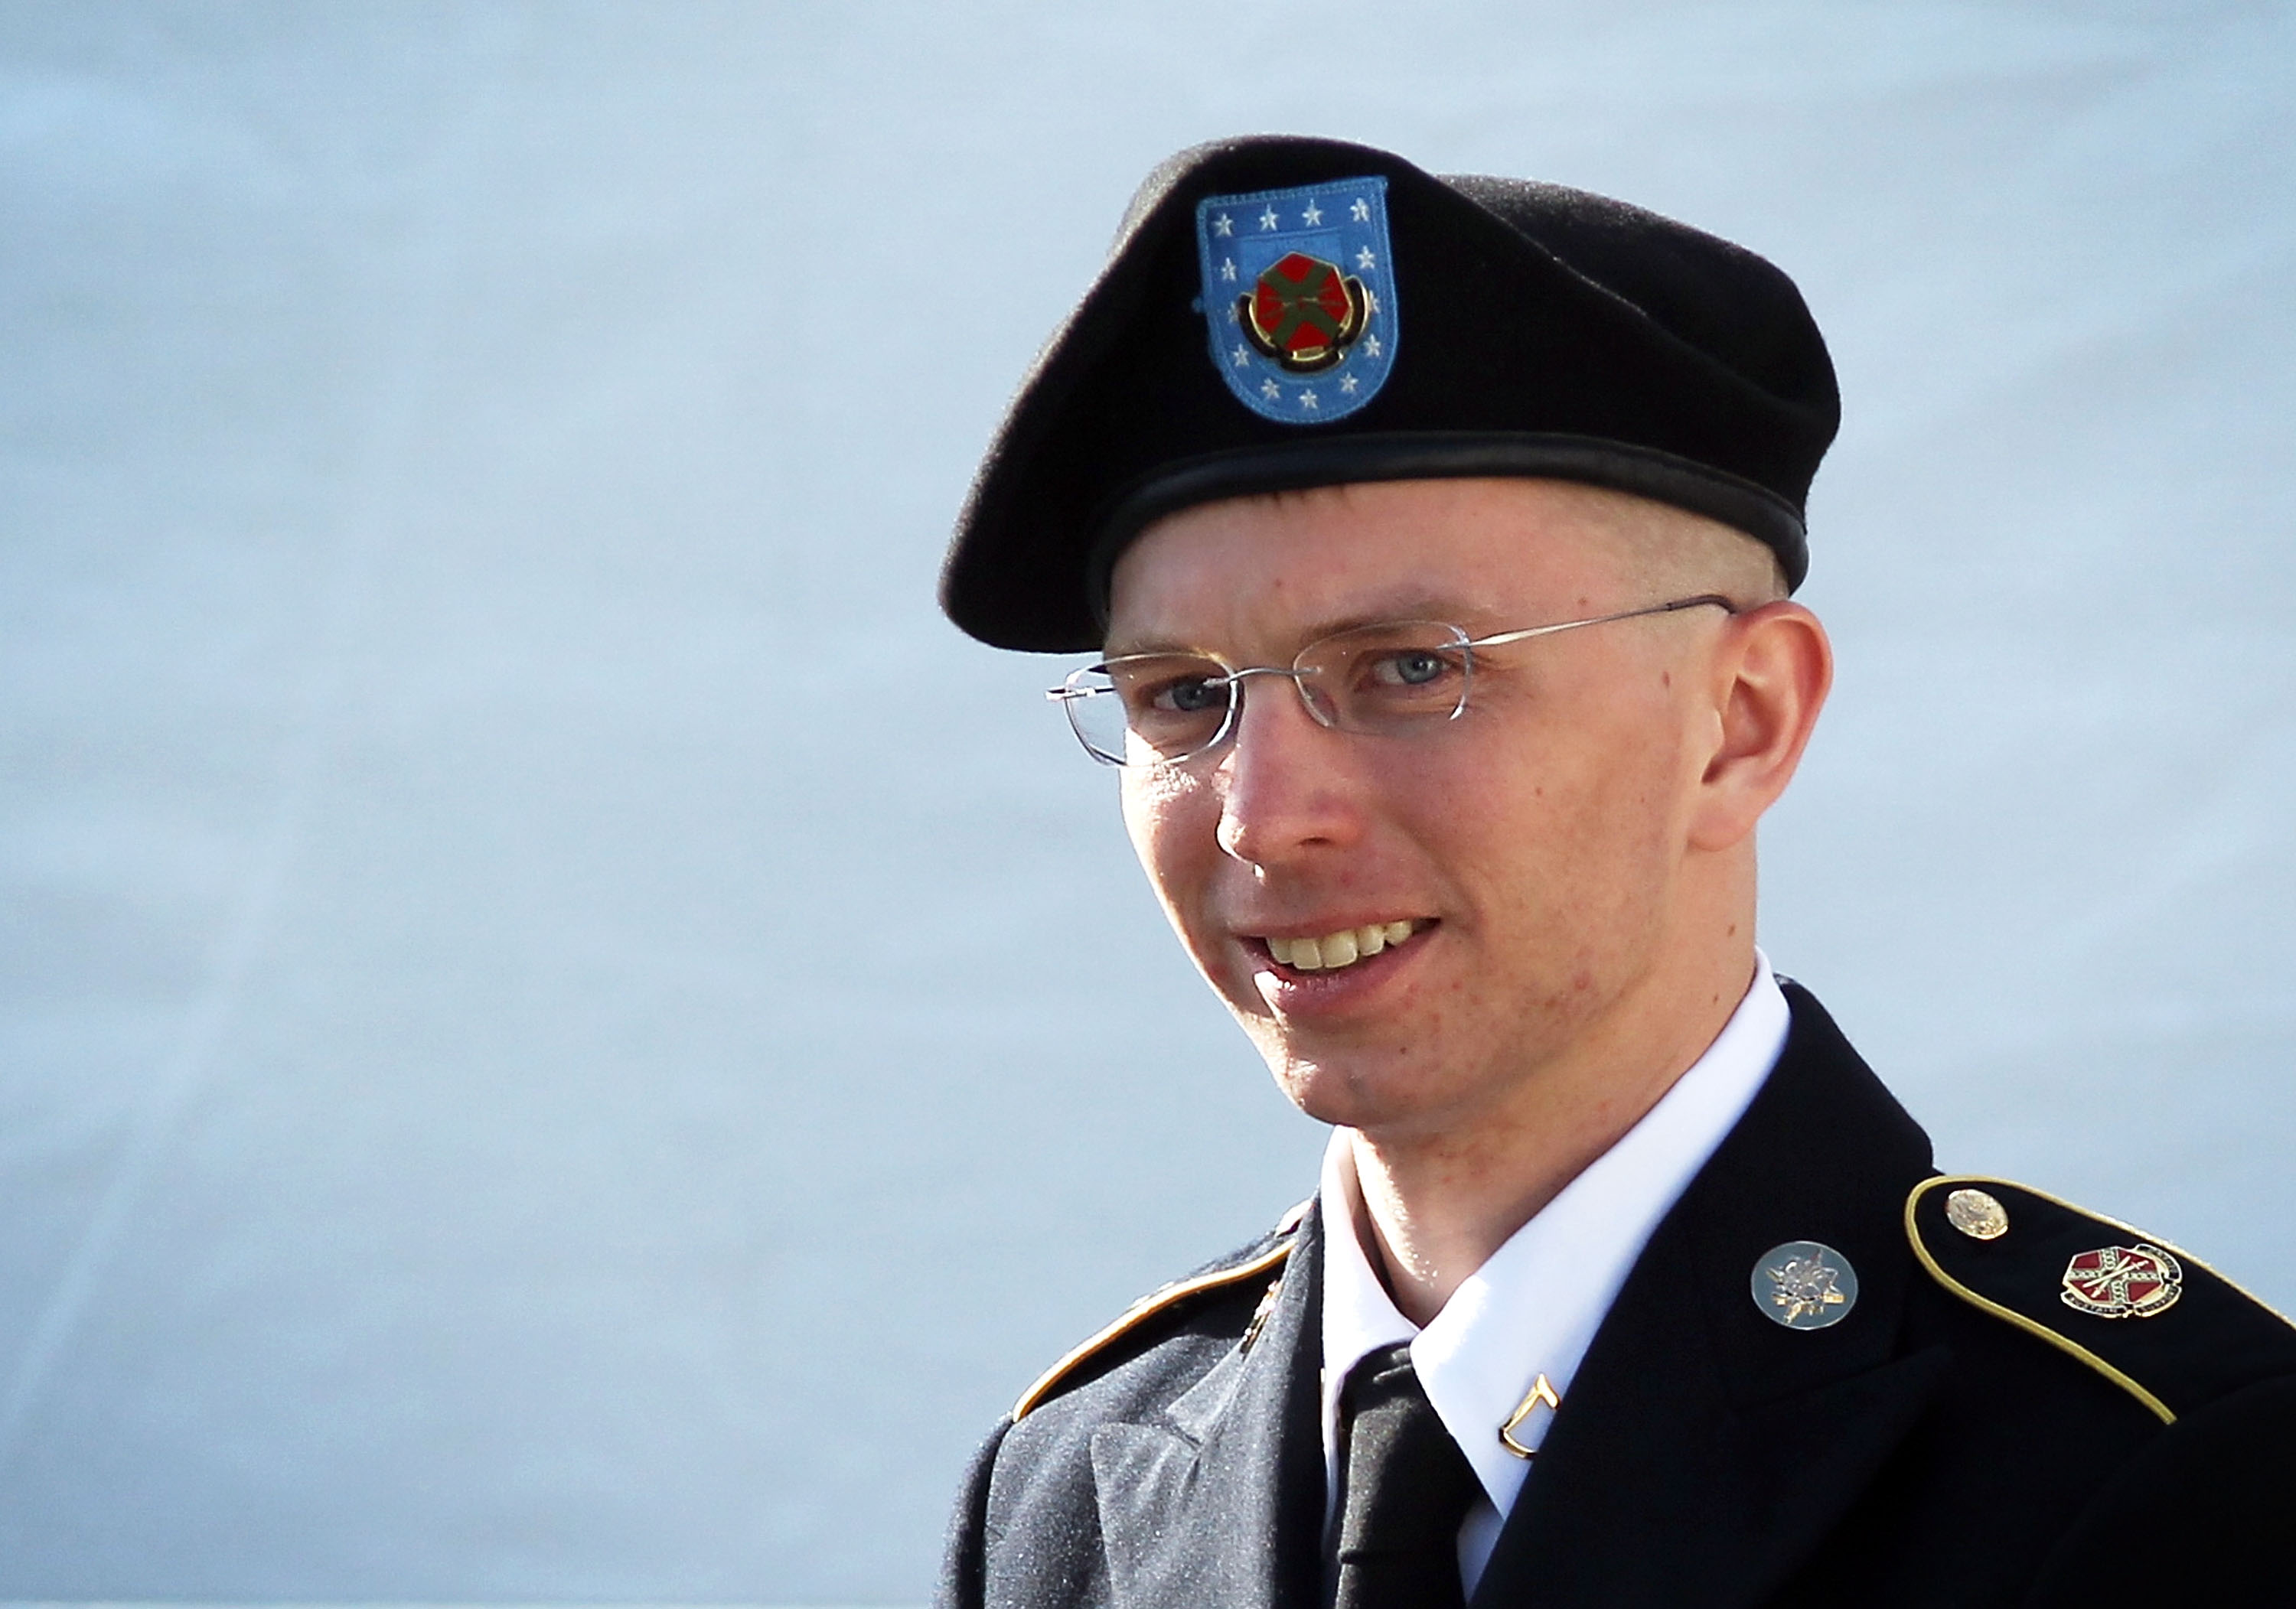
pixel 1772 670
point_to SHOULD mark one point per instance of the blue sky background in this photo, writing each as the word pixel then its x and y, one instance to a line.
pixel 562 1036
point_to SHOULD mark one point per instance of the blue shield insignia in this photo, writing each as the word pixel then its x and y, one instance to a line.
pixel 1300 296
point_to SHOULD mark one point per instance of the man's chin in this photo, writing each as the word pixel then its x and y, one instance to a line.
pixel 1366 1089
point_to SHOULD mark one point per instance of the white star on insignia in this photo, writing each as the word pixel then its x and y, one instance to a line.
pixel 1347 385
pixel 1225 225
pixel 1268 220
pixel 1227 269
pixel 1366 261
pixel 1240 356
pixel 1313 216
pixel 1307 399
pixel 1360 211
pixel 1371 346
pixel 1269 389
pixel 1371 301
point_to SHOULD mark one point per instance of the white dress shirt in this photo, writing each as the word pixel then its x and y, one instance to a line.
pixel 1534 1306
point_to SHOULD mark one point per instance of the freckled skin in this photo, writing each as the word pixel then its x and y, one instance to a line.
pixel 1588 880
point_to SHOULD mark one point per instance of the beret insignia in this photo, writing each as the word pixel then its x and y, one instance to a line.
pixel 1299 297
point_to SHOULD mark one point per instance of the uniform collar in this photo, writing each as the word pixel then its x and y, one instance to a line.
pixel 1534 1305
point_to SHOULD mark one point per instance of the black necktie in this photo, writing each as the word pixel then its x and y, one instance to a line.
pixel 1405 1491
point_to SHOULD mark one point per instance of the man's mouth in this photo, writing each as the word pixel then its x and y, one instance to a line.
pixel 1345 948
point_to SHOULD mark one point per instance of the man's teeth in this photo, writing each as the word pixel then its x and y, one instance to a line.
pixel 1344 948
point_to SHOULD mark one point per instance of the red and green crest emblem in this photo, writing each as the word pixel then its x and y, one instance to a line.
pixel 1304 313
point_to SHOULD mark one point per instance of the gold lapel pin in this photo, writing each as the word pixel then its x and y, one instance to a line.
pixel 1540 1391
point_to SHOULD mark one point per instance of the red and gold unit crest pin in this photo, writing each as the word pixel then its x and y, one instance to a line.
pixel 2123 1282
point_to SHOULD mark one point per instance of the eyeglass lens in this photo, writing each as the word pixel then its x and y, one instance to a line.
pixel 1144 708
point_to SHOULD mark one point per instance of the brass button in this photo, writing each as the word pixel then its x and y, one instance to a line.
pixel 1977 1214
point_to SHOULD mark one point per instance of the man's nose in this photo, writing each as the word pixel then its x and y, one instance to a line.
pixel 1286 786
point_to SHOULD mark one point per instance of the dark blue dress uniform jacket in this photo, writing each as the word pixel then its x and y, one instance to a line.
pixel 1962 1437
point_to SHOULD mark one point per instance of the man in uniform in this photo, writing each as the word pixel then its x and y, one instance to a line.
pixel 1437 538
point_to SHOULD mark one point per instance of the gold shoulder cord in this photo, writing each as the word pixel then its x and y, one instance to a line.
pixel 2130 1230
pixel 1146 1308
pixel 2069 1347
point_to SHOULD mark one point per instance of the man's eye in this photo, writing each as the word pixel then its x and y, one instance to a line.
pixel 1410 667
pixel 1192 697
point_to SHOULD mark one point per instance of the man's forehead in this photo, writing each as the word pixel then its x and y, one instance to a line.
pixel 1302 562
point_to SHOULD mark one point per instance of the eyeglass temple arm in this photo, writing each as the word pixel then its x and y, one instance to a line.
pixel 1703 599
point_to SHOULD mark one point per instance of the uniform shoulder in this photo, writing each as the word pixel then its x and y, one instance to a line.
pixel 1261 1256
pixel 2154 1319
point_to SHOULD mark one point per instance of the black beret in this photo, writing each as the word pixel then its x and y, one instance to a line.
pixel 1281 312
